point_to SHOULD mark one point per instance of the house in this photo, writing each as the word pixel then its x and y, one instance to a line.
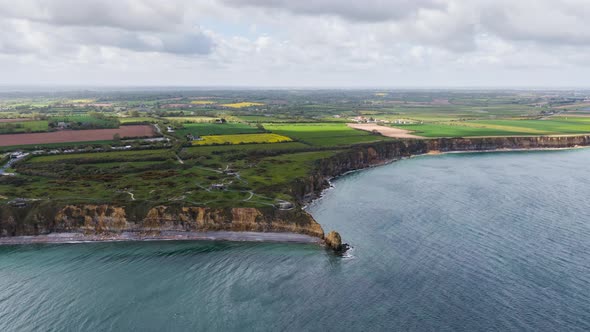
pixel 18 203
pixel 284 205
pixel 191 137
pixel 218 186
pixel 169 129
pixel 16 155
pixel 63 125
pixel 229 171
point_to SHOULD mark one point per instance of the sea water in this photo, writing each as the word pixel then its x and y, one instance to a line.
pixel 468 242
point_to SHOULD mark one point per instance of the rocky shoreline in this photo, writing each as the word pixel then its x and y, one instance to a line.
pixel 76 237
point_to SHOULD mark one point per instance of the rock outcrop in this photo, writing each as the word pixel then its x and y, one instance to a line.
pixel 334 241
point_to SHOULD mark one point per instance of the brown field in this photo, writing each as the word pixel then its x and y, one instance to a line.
pixel 66 136
pixel 14 120
pixel 383 130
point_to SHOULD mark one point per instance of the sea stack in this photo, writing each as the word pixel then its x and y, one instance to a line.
pixel 334 241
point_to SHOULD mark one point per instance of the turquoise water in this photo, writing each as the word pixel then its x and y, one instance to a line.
pixel 471 242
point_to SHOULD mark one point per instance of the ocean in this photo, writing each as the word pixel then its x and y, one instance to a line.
pixel 455 242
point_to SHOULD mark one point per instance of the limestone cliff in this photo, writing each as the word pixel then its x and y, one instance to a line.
pixel 97 219
pixel 368 155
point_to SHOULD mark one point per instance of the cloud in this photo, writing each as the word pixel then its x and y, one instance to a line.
pixel 142 26
pixel 542 21
pixel 147 15
pixel 304 42
pixel 362 11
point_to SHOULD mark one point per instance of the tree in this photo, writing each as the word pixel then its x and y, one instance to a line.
pixel 116 137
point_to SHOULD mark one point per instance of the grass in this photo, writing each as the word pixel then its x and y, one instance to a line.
pixel 203 129
pixel 241 139
pixel 86 121
pixel 55 145
pixel 191 119
pixel 24 127
pixel 323 134
pixel 282 170
pixel 516 127
pixel 140 119
pixel 242 104
pixel 106 156
pixel 261 148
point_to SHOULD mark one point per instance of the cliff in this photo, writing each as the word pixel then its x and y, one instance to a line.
pixel 369 155
pixel 44 218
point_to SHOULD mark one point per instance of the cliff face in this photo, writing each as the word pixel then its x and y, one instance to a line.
pixel 368 155
pixel 99 219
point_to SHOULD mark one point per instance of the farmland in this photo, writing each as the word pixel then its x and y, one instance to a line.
pixel 76 135
pixel 23 127
pixel 323 134
pixel 241 139
pixel 203 129
pixel 86 122
pixel 242 104
pixel 191 119
pixel 552 126
pixel 249 147
pixel 203 102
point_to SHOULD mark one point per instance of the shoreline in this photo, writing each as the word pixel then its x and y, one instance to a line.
pixel 63 238
pixel 430 153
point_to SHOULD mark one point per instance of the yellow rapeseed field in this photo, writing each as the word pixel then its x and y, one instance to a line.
pixel 242 104
pixel 82 101
pixel 202 102
pixel 242 139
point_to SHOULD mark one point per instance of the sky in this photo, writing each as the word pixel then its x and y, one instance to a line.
pixel 302 43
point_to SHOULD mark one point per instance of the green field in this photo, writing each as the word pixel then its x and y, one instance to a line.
pixel 86 121
pixel 24 127
pixel 551 126
pixel 140 119
pixel 257 148
pixel 191 119
pixel 106 156
pixel 323 134
pixel 67 145
pixel 203 129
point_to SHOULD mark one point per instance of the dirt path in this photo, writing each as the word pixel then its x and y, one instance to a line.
pixel 383 130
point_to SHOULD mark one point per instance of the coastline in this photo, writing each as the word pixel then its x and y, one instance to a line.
pixel 61 238
pixel 109 223
pixel 429 153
